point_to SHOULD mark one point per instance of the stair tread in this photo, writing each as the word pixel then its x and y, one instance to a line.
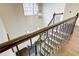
pixel 58 40
pixel 53 44
pixel 58 36
pixel 52 47
pixel 54 41
pixel 46 50
pixel 59 31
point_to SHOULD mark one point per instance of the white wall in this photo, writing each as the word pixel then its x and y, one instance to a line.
pixel 3 38
pixel 71 9
pixel 16 24
pixel 49 9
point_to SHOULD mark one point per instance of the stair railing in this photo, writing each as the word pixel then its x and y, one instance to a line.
pixel 53 18
pixel 64 29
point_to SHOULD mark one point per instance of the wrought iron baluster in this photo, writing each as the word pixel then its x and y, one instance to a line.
pixel 63 29
pixel 51 41
pixel 35 49
pixel 9 39
pixel 29 50
pixel 60 30
pixel 18 50
pixel 57 38
pixel 73 26
pixel 53 32
pixel 31 42
pixel 48 42
pixel 52 36
pixel 40 42
pixel 30 47
pixel 66 30
pixel 60 27
pixel 44 42
pixel 69 29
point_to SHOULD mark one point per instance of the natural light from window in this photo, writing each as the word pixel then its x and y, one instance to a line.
pixel 30 9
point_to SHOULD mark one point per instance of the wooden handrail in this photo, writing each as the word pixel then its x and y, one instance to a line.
pixel 9 44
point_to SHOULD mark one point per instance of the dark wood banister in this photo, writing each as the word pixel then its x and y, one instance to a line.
pixel 9 44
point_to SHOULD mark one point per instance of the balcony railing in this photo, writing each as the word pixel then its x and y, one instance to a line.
pixel 50 40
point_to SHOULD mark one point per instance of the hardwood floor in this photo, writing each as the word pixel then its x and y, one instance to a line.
pixel 71 47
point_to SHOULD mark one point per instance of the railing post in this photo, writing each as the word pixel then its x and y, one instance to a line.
pixel 75 22
pixel 28 50
pixel 18 50
pixel 8 40
pixel 40 43
pixel 48 41
pixel 52 19
pixel 31 42
pixel 35 49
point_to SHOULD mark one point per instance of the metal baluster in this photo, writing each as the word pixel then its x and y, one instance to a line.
pixel 51 42
pixel 73 26
pixel 9 39
pixel 28 50
pixel 44 43
pixel 40 43
pixel 69 29
pixel 35 49
pixel 66 29
pixel 44 46
pixel 18 50
pixel 48 41
pixel 57 38
pixel 60 28
pixel 74 23
pixel 31 43
pixel 63 29
pixel 60 31
pixel 54 18
pixel 53 39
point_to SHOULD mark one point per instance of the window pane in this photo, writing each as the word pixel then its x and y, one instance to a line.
pixel 30 8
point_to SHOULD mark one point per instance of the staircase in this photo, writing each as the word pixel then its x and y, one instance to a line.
pixel 52 43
